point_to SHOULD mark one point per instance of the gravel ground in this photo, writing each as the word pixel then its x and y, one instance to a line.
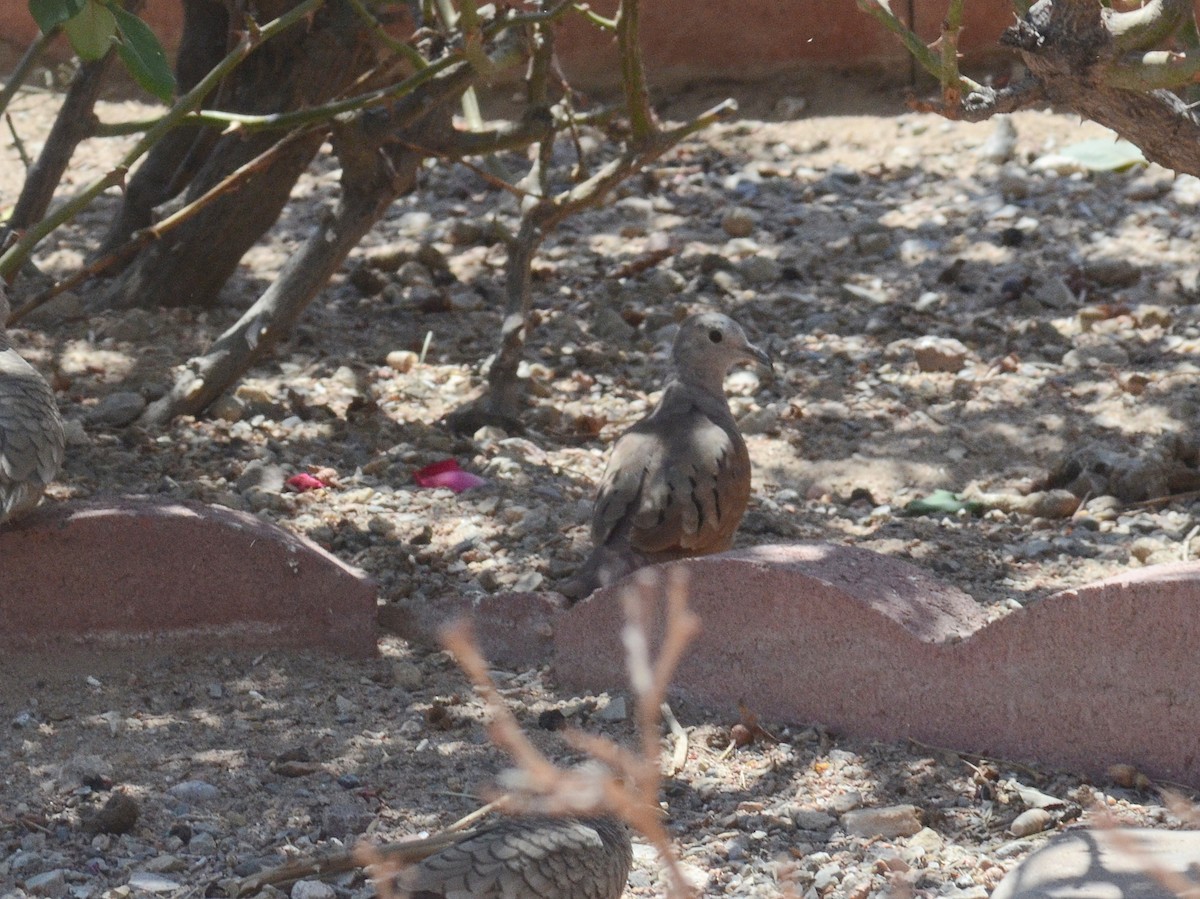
pixel 942 320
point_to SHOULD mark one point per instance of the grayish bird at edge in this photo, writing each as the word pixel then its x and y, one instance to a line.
pixel 31 430
pixel 527 858
pixel 678 481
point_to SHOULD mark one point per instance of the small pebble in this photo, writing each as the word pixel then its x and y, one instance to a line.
pixel 312 889
pixel 52 884
pixel 194 791
pixel 119 815
pixel 739 222
pixel 152 883
pixel 614 711
pixel 402 360
pixel 886 823
pixel 1031 821
pixel 117 409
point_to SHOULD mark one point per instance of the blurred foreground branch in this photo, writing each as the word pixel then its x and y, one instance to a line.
pixel 630 785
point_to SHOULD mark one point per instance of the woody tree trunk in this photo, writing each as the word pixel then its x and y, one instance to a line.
pixel 306 66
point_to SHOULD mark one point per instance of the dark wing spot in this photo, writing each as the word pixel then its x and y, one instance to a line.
pixel 699 506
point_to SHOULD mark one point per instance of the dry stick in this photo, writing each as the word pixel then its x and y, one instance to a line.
pixel 1033 772
pixel 400 852
pixel 26 159
pixel 679 756
pixel 32 54
pixel 503 729
pixel 1169 498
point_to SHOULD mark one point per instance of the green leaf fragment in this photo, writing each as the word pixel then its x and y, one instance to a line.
pixel 91 31
pixel 51 13
pixel 143 55
pixel 1104 155
pixel 943 502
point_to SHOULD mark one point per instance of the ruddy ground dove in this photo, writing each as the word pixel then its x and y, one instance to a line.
pixel 531 858
pixel 678 481
pixel 31 430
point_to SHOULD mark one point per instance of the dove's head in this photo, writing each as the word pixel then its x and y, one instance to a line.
pixel 708 345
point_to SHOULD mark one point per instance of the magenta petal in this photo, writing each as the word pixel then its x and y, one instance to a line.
pixel 423 475
pixel 446 473
pixel 302 482
pixel 456 480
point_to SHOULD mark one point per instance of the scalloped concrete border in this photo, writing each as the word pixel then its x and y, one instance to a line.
pixel 1125 862
pixel 108 574
pixel 874 647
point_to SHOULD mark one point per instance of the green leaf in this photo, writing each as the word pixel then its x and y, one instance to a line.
pixel 91 31
pixel 143 55
pixel 943 502
pixel 51 13
pixel 1104 155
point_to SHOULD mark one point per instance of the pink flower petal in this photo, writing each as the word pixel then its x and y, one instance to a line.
pixel 303 482
pixel 435 468
pixel 446 473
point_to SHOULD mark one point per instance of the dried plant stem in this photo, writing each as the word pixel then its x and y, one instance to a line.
pixel 633 76
pixel 1174 882
pixel 28 60
pixel 951 79
pixel 931 62
pixel 679 756
pixel 399 853
pixel 630 787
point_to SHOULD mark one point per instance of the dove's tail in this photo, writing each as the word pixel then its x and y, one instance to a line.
pixel 606 565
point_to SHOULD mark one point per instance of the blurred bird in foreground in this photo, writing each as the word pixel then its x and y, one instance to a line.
pixel 527 858
pixel 31 429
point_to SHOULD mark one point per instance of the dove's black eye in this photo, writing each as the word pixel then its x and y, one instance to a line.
pixel 715 336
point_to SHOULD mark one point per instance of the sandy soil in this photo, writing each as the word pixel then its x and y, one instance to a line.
pixel 1066 301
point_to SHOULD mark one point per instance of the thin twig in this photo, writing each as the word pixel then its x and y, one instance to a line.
pixel 400 48
pixel 679 756
pixel 1008 763
pixel 26 159
pixel 633 75
pixel 400 852
pixel 1169 498
pixel 28 60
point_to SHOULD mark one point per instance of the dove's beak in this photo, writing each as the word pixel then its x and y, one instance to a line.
pixel 760 355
